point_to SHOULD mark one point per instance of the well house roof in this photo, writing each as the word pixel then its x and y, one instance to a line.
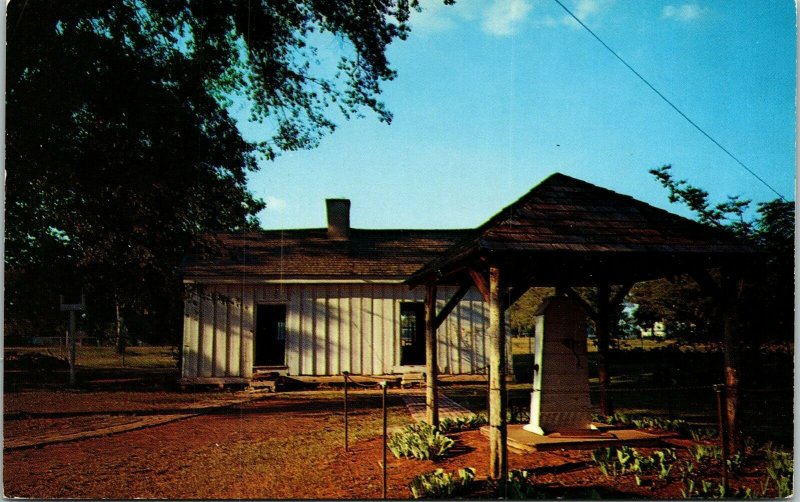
pixel 568 227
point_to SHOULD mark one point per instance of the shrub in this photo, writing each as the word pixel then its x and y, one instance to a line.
pixel 441 484
pixel 780 471
pixel 518 486
pixel 420 441
pixel 462 423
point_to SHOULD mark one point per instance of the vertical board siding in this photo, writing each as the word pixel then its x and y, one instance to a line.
pixel 320 339
pixel 235 322
pixel 293 320
pixel 367 347
pixel 387 331
pixel 248 330
pixel 356 336
pixel 334 340
pixel 345 331
pixel 191 327
pixel 220 332
pixel 206 347
pixel 329 329
pixel 307 332
pixel 376 329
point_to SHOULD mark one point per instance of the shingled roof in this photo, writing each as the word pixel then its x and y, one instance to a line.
pixel 568 229
pixel 310 254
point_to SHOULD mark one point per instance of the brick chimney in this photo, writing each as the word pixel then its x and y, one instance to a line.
pixel 338 218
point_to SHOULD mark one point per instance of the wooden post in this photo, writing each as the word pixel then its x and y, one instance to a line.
pixel 346 431
pixel 603 333
pixel 723 436
pixel 72 335
pixel 384 385
pixel 431 369
pixel 731 290
pixel 498 448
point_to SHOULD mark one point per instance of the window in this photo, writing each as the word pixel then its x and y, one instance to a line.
pixel 412 333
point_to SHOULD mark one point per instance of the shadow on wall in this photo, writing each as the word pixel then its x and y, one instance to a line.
pixel 329 329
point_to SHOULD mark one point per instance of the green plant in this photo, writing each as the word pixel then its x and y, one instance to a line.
pixel 441 484
pixel 702 433
pixel 519 486
pixel 700 452
pixel 462 423
pixel 603 458
pixel 420 441
pixel 735 462
pixel 780 470
pixel 689 490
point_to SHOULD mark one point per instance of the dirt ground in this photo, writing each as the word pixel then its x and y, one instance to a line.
pixel 275 446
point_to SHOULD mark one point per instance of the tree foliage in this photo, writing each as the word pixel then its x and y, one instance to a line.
pixel 522 314
pixel 122 153
pixel 766 309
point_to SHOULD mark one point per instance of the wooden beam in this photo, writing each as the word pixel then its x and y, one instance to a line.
pixel 480 283
pixel 431 369
pixel 498 437
pixel 451 304
pixel 591 312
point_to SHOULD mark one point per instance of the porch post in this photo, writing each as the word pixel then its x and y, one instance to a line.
pixel 603 332
pixel 431 375
pixel 498 448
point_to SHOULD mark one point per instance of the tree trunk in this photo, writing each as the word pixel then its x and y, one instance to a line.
pixel 732 287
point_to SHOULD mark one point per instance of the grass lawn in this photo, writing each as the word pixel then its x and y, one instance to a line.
pixel 93 357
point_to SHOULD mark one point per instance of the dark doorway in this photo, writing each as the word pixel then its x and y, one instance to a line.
pixel 270 335
pixel 412 334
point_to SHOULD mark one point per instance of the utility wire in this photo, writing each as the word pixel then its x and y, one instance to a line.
pixel 670 103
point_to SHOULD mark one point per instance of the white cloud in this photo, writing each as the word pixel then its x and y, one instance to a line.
pixel 505 16
pixel 436 16
pixel 585 10
pixel 274 204
pixel 684 13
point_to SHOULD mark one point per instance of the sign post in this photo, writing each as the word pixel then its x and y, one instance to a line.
pixel 72 308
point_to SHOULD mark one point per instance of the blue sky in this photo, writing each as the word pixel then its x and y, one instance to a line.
pixel 493 96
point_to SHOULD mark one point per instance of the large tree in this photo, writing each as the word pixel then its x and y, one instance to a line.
pixel 122 153
pixel 751 304
pixel 765 311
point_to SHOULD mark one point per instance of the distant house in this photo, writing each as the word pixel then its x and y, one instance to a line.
pixel 322 301
pixel 657 330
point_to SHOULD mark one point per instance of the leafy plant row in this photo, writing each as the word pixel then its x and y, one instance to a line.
pixel 421 441
pixel 441 484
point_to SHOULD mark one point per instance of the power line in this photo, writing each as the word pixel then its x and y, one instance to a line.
pixel 670 103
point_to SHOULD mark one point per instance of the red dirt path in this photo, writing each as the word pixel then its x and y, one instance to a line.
pixel 279 447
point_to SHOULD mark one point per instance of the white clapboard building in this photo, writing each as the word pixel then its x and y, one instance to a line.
pixel 320 302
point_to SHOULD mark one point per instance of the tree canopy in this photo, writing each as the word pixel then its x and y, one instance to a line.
pixel 766 309
pixel 122 153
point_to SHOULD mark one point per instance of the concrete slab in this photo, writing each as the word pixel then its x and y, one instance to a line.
pixel 522 441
